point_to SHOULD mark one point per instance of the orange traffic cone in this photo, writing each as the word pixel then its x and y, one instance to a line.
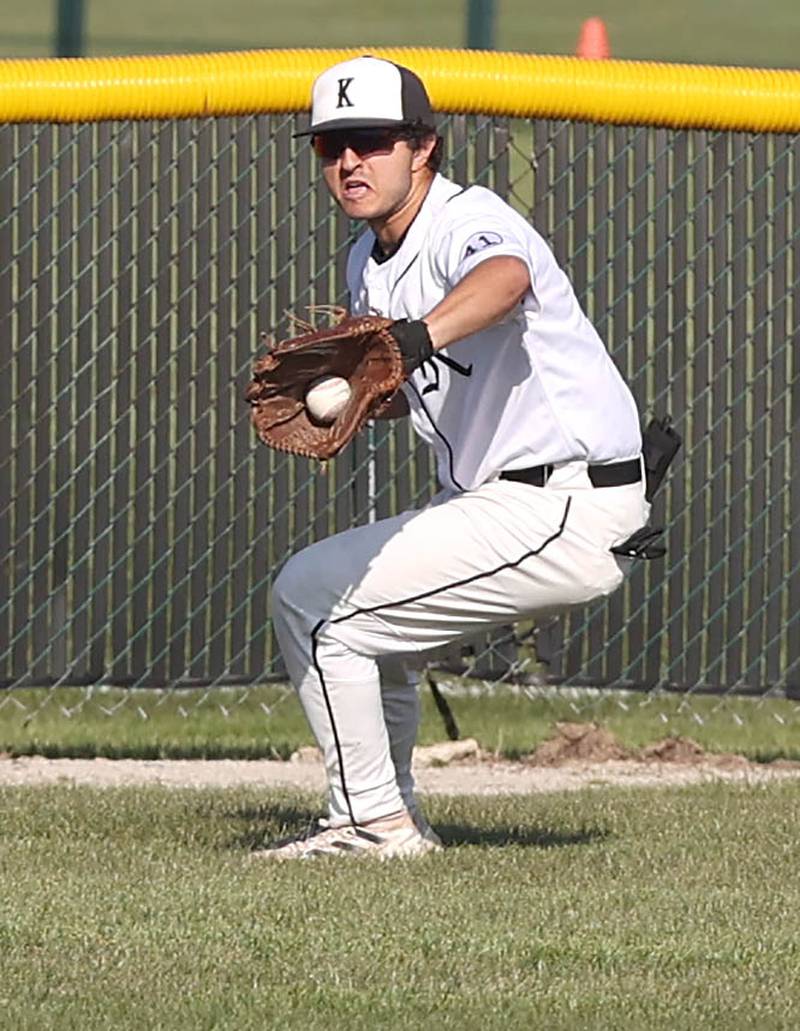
pixel 593 40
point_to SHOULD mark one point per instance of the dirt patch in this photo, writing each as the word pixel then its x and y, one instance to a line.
pixel 582 742
pixel 685 750
pixel 591 743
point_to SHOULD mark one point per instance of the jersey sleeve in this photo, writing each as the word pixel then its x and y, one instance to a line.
pixel 475 237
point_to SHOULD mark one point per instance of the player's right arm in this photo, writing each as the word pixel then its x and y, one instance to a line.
pixel 486 295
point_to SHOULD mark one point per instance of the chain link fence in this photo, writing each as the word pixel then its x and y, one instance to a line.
pixel 142 524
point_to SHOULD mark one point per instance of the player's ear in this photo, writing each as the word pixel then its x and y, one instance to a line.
pixel 423 151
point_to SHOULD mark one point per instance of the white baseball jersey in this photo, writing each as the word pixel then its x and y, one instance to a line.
pixel 538 388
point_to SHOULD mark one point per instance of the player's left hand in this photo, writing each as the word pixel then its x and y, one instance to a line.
pixel 361 349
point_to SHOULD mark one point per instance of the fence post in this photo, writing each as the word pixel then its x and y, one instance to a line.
pixel 480 24
pixel 69 28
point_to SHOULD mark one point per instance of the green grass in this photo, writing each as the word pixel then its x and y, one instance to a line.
pixel 710 31
pixel 603 909
pixel 268 722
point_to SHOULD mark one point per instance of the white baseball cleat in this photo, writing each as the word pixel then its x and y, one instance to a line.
pixel 354 842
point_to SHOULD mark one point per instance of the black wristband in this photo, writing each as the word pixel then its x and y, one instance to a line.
pixel 414 342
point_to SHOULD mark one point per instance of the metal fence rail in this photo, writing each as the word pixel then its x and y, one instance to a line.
pixel 141 523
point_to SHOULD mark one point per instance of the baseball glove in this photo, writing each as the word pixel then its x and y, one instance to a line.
pixel 358 348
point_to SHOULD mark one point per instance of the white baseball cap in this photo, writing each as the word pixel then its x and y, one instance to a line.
pixel 367 93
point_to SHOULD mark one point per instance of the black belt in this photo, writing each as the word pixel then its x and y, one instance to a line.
pixel 615 475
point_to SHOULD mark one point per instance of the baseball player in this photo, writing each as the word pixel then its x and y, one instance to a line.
pixel 536 437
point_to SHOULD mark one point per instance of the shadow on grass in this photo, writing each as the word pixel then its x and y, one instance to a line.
pixel 528 837
pixel 270 823
pixel 285 820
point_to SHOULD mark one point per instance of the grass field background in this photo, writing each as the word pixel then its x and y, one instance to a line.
pixel 711 31
pixel 612 909
pixel 268 723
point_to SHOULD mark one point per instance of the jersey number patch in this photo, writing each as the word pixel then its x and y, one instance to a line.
pixel 480 241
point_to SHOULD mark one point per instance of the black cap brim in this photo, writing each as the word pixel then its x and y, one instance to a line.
pixel 348 123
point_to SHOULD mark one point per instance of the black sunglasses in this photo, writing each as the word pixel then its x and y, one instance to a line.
pixel 329 145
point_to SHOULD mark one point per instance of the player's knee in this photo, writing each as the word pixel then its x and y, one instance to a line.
pixel 292 587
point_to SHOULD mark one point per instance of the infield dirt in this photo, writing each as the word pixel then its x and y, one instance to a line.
pixel 577 755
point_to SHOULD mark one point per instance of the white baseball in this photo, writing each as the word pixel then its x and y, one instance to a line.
pixel 327 397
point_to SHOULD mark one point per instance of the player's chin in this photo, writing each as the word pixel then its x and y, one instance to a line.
pixel 361 206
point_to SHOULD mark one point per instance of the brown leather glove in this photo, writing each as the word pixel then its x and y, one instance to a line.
pixel 361 349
